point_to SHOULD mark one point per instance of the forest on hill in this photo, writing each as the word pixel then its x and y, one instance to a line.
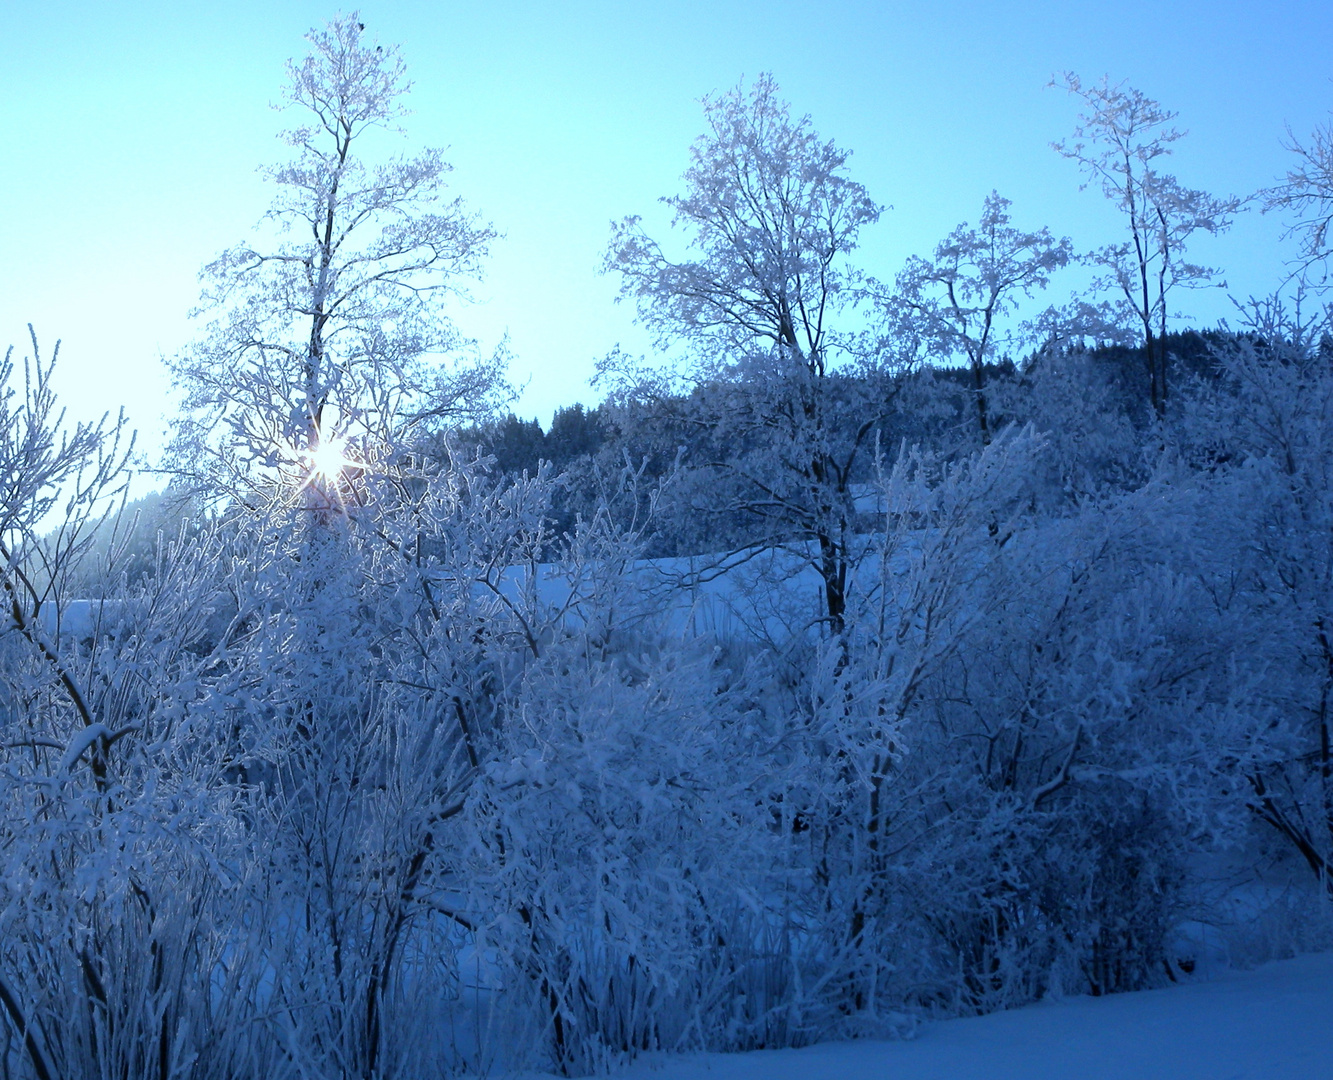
pixel 868 653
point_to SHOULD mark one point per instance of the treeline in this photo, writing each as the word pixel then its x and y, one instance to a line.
pixel 929 407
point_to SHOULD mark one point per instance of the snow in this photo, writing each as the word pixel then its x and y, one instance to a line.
pixel 765 594
pixel 79 619
pixel 1273 1023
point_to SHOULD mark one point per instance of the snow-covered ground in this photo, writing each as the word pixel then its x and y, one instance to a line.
pixel 1273 1023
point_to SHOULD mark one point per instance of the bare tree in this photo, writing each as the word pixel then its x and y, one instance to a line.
pixel 1308 191
pixel 326 328
pixel 1119 136
pixel 976 278
pixel 770 219
pixel 44 469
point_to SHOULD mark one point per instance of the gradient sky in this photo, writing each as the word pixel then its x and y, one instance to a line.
pixel 134 131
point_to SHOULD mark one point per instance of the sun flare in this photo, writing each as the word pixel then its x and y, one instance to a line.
pixel 328 460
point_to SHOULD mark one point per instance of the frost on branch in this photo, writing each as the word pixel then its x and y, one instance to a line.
pixel 335 322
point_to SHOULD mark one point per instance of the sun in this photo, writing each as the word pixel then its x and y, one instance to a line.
pixel 328 460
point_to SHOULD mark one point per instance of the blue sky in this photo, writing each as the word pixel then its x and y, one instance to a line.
pixel 134 131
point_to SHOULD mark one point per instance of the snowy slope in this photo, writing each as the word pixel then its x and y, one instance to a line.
pixel 1274 1023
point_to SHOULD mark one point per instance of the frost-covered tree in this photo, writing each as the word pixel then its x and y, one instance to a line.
pixel 45 469
pixel 1262 429
pixel 330 325
pixel 115 810
pixel 978 276
pixel 770 220
pixel 1117 142
pixel 1307 189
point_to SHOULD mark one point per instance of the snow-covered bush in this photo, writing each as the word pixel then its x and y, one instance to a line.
pixel 1261 434
pixel 122 850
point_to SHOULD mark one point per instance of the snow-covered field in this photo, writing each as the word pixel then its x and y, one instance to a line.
pixel 1273 1023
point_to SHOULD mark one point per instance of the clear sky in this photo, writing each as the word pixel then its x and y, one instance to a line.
pixel 133 133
